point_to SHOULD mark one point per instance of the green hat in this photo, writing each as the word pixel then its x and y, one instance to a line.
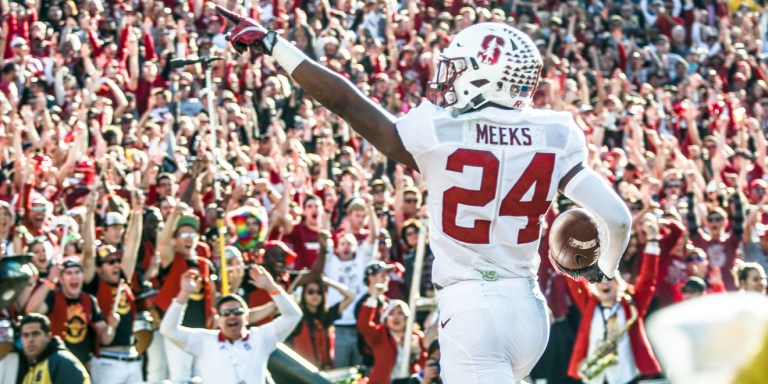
pixel 188 220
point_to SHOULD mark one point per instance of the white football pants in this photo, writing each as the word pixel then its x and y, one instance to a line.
pixel 491 331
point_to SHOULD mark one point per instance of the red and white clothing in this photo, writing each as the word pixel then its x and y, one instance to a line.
pixel 221 361
pixel 491 176
pixel 634 342
pixel 721 253
pixel 386 351
pixel 305 243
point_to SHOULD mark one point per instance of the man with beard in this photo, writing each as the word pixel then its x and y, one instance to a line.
pixel 105 277
pixel 75 315
pixel 234 354
pixel 48 360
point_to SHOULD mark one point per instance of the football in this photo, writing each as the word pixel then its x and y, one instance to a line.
pixel 573 239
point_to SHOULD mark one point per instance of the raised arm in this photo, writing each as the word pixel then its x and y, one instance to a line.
pixel 370 120
pixel 587 189
pixel 257 314
pixel 89 238
pixel 316 271
pixel 290 313
pixel 349 297
pixel 133 234
pixel 165 241
pixel 171 327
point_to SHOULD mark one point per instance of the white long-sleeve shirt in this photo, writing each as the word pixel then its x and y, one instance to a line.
pixel 221 361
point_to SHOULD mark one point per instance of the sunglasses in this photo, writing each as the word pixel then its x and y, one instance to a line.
pixel 411 233
pixel 377 191
pixel 758 191
pixel 112 261
pixel 674 185
pixel 187 235
pixel 715 219
pixel 234 311
pixel 38 208
pixel 411 201
pixel 695 258
pixel 636 207
pixel 313 291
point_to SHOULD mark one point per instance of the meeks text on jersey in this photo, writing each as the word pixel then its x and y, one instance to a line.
pixel 498 135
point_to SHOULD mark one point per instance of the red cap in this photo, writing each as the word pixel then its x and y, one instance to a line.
pixel 758 183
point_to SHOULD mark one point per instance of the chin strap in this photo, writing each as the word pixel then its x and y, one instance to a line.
pixel 474 103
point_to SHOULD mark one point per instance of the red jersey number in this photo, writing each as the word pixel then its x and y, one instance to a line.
pixel 538 172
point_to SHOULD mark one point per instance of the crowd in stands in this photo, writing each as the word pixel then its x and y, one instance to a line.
pixel 111 177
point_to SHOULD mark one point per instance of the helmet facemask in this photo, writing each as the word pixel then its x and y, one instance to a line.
pixel 441 91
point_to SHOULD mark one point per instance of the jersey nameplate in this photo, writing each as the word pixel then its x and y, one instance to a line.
pixel 494 134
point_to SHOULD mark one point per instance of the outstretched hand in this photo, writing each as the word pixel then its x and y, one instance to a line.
pixel 248 33
pixel 261 278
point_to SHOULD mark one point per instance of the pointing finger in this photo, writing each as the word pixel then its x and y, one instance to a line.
pixel 233 17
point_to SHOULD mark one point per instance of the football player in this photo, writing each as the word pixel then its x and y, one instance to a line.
pixel 492 167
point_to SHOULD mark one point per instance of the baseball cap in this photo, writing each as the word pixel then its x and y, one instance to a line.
pixel 378 266
pixel 693 284
pixel 188 220
pixel 114 218
pixel 231 252
pixel 391 306
pixel 71 262
pixel 18 41
pixel 758 183
pixel 290 256
pixel 378 183
pixel 744 153
pixel 105 250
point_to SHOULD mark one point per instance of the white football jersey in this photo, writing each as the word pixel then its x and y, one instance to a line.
pixel 491 176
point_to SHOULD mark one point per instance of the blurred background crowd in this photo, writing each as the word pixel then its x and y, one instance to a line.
pixel 109 173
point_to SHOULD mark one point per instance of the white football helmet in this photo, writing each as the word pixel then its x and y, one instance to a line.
pixel 486 62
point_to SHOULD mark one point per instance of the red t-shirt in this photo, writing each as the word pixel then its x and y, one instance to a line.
pixel 721 253
pixel 304 242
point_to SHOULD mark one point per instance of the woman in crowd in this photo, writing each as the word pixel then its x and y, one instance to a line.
pixel 387 337
pixel 313 338
pixel 749 277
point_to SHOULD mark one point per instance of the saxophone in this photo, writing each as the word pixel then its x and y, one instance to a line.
pixel 605 355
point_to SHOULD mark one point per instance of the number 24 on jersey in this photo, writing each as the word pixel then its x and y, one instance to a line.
pixel 539 172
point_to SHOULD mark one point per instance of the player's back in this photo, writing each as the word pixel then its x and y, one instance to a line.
pixel 491 176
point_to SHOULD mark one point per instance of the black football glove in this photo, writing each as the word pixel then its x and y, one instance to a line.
pixel 593 274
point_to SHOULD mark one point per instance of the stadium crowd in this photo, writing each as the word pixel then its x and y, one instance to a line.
pixel 111 179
